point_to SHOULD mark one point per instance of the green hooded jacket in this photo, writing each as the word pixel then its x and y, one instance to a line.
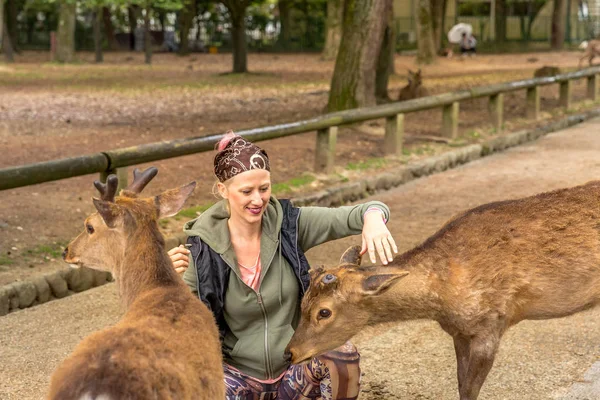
pixel 262 323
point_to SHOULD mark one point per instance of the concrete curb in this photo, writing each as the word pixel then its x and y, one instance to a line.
pixel 23 294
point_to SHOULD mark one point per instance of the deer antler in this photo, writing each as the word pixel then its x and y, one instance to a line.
pixel 141 179
pixel 108 189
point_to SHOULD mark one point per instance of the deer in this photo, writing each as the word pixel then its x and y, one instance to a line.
pixel 592 49
pixel 484 271
pixel 414 88
pixel 166 345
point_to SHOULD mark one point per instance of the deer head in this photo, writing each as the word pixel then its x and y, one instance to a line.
pixel 335 307
pixel 119 220
pixel 414 78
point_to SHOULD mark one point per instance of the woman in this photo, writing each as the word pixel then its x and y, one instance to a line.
pixel 246 263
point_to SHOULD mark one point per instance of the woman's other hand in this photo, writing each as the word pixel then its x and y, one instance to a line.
pixel 377 239
pixel 179 258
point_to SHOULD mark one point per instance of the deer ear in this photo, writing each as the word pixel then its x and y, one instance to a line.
pixel 351 256
pixel 107 210
pixel 171 201
pixel 377 284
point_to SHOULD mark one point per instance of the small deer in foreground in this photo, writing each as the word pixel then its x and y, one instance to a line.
pixel 166 346
pixel 592 49
pixel 484 271
pixel 414 88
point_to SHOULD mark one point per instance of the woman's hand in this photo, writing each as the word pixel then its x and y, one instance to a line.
pixel 179 258
pixel 376 238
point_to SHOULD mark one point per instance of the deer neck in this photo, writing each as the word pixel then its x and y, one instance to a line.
pixel 145 266
pixel 414 296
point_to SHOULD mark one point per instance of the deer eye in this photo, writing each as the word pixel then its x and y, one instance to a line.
pixel 329 278
pixel 324 313
pixel 89 228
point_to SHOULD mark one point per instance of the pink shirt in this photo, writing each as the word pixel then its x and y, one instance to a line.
pixel 251 274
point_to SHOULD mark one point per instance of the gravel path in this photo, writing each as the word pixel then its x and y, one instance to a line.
pixel 414 360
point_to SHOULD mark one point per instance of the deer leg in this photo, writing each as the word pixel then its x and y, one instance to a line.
pixel 482 351
pixel 461 347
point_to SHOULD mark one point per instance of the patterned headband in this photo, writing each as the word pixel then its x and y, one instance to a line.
pixel 239 155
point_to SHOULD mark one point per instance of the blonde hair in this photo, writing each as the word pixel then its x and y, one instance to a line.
pixel 215 192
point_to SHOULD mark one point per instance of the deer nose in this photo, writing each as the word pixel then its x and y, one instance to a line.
pixel 64 253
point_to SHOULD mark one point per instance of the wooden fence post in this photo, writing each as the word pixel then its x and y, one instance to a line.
pixel 450 120
pixel 394 134
pixel 565 94
pixel 533 103
pixel 592 87
pixel 496 107
pixel 121 174
pixel 325 152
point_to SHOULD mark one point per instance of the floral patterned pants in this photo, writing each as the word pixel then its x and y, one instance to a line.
pixel 331 376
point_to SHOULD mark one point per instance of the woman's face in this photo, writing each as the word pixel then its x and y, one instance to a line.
pixel 248 194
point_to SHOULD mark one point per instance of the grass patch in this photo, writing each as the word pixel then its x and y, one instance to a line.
pixel 192 212
pixel 289 185
pixel 371 163
pixel 423 150
pixel 281 188
pixel 474 134
pixel 53 250
pixel 343 178
pixel 5 260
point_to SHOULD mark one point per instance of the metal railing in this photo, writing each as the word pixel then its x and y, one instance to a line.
pixel 113 161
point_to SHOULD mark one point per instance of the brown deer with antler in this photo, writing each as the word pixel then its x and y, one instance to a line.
pixel 414 88
pixel 484 271
pixel 166 346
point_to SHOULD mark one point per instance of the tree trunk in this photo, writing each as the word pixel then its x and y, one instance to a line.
pixel 187 18
pixel 147 37
pixel 240 49
pixel 12 12
pixel 558 24
pixel 132 14
pixel 162 17
pixel 65 35
pixel 6 42
pixel 335 16
pixel 237 14
pixel 97 21
pixel 109 29
pixel 425 44
pixel 353 81
pixel 438 12
pixel 285 23
pixel 1 22
pixel 385 63
pixel 30 23
pixel 500 21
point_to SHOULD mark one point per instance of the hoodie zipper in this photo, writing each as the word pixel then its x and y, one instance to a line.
pixel 268 366
pixel 267 354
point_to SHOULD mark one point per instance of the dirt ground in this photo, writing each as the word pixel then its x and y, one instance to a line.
pixel 50 111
